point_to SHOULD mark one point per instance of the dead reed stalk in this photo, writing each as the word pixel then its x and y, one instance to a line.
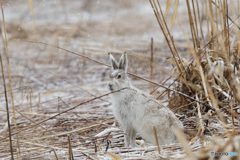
pixel 71 157
pixel 10 81
pixel 26 128
pixel 155 134
pixel 151 73
pixel 167 88
pixel 8 118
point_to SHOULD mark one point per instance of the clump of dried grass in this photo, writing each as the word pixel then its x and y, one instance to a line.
pixel 211 76
pixel 205 96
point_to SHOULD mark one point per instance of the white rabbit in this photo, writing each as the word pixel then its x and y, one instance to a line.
pixel 137 111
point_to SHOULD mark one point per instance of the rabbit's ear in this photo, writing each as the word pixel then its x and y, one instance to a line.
pixel 123 63
pixel 113 61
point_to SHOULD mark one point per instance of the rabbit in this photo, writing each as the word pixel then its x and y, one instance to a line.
pixel 137 111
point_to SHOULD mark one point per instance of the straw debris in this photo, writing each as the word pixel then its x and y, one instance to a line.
pixel 57 92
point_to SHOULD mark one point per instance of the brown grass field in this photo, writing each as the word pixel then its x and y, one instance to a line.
pixel 55 69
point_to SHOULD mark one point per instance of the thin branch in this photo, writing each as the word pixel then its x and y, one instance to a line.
pixel 6 99
pixel 10 81
pixel 177 92
pixel 64 112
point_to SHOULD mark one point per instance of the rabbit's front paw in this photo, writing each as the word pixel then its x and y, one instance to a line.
pixel 126 140
pixel 130 139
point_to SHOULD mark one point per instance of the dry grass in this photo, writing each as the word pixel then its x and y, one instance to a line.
pixel 57 91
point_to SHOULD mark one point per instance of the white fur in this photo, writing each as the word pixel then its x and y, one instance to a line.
pixel 138 111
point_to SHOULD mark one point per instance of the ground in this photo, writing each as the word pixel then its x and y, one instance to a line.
pixel 52 75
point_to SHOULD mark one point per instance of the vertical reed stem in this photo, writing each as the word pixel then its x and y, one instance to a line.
pixel 151 74
pixel 200 23
pixel 70 149
pixel 10 81
pixel 6 99
pixel 229 53
pixel 155 134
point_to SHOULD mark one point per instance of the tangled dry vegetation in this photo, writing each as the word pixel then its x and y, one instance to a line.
pixel 59 113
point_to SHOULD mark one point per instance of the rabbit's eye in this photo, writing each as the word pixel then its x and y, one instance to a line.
pixel 119 76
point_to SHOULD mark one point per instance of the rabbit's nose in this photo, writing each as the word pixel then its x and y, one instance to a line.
pixel 110 86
